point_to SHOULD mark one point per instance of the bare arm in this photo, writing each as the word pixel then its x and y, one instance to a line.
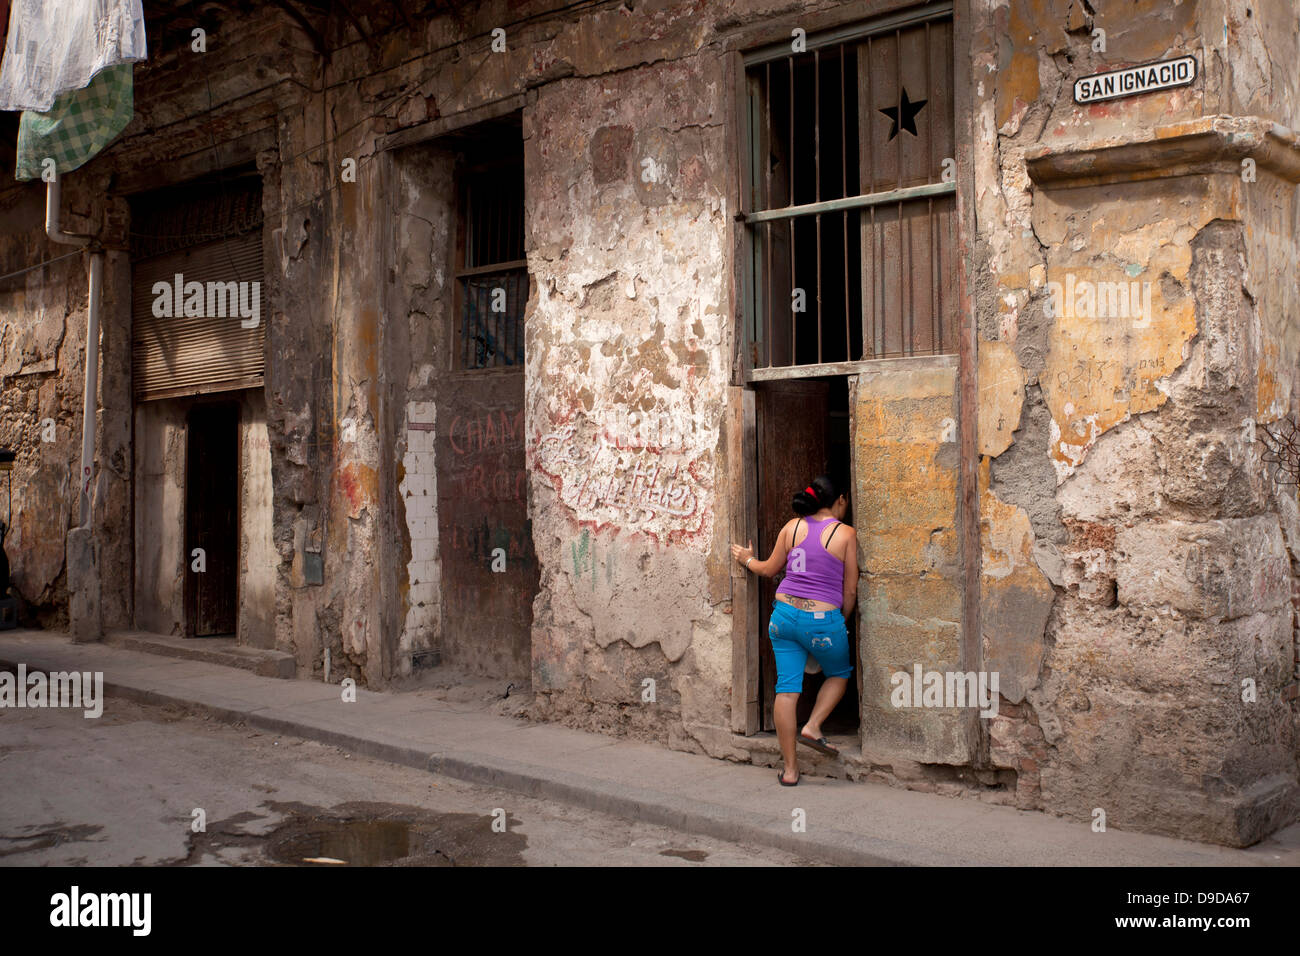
pixel 775 561
pixel 850 572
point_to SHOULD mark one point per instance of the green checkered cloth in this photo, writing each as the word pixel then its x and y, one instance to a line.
pixel 78 125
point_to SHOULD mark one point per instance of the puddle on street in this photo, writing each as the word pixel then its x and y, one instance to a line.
pixel 369 834
pixel 351 842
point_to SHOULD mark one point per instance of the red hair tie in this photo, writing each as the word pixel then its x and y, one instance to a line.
pixel 810 491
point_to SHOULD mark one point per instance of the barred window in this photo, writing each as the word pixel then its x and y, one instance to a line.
pixel 852 195
pixel 491 271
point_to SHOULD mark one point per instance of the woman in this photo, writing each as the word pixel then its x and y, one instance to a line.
pixel 820 557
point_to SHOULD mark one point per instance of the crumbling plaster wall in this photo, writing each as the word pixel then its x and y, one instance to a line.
pixel 1264 82
pixel 42 370
pixel 36 310
pixel 423 225
pixel 1122 481
pixel 258 560
pixel 906 479
pixel 627 387
pixel 358 491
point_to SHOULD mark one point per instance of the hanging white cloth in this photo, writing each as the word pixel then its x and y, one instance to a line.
pixel 59 45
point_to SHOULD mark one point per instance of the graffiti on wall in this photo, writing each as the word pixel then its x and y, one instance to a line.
pixel 639 479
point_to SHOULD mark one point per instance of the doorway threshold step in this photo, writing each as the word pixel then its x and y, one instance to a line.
pixel 213 650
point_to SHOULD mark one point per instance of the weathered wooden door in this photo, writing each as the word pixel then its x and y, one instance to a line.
pixel 490 572
pixel 211 520
pixel 791 426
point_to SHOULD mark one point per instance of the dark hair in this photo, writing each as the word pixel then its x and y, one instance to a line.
pixel 826 494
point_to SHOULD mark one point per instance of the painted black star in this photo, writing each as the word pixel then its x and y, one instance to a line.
pixel 907 110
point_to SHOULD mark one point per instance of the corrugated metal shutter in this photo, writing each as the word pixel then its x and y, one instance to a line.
pixel 192 355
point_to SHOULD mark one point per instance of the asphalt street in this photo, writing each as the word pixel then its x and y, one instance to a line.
pixel 123 789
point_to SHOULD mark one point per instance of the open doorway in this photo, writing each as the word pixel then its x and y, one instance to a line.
pixel 212 519
pixel 802 431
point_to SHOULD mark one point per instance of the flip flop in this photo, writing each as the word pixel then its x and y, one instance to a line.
pixel 819 745
pixel 780 776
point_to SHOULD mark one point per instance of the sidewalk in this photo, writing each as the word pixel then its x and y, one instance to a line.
pixel 847 823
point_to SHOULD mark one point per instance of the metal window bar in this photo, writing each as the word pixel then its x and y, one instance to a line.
pixel 794 281
pixel 492 338
pixel 898 85
pixel 871 140
pixel 852 202
pixel 844 191
pixel 935 339
pixel 929 115
pixel 794 328
pixel 493 260
pixel 907 292
pixel 873 320
pixel 817 177
pixel 898 184
pixel 767 264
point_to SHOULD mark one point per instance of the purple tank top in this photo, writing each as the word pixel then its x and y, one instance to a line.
pixel 811 571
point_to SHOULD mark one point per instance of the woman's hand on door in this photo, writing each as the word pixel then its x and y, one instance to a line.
pixel 774 562
pixel 743 555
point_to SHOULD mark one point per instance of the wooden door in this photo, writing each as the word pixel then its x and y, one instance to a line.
pixel 791 420
pixel 490 573
pixel 211 520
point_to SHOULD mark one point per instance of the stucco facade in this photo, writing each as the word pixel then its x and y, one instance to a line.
pixel 1074 499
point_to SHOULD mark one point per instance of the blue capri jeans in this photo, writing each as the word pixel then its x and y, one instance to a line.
pixel 796 633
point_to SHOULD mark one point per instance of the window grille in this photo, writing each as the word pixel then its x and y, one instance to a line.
pixel 852 228
pixel 491 271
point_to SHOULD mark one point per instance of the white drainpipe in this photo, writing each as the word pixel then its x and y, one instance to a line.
pixel 92 342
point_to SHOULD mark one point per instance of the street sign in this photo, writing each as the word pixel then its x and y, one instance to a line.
pixel 1132 80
